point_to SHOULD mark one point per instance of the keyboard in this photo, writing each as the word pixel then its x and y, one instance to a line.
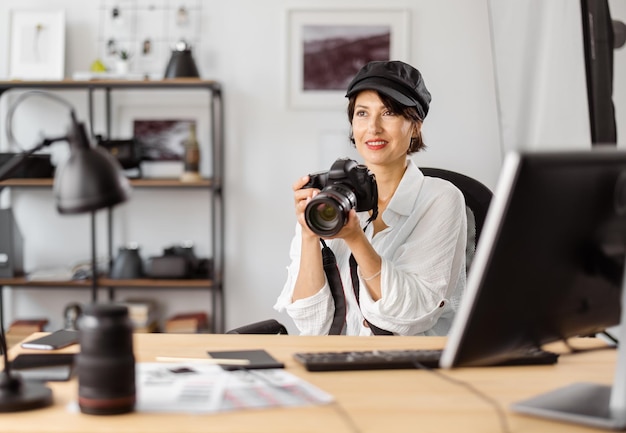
pixel 400 359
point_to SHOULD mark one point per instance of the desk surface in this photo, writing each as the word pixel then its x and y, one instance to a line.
pixel 366 401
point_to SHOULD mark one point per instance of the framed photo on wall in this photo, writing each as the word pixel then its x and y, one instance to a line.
pixel 326 48
pixel 37 45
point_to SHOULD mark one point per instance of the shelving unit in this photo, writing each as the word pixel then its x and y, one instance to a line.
pixel 213 185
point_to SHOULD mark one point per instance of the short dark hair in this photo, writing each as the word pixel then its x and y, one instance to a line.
pixel 392 105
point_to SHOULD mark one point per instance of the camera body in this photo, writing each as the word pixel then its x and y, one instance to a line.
pixel 345 186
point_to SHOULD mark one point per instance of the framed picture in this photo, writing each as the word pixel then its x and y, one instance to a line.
pixel 162 140
pixel 37 45
pixel 326 48
pixel 161 132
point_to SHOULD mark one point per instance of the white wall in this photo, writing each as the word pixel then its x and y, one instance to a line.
pixel 268 144
pixel 541 77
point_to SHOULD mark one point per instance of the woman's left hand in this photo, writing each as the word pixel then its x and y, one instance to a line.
pixel 351 230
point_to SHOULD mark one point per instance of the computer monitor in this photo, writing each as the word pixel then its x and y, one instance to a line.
pixel 548 266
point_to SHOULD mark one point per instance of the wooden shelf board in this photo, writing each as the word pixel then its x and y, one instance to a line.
pixel 136 183
pixel 107 282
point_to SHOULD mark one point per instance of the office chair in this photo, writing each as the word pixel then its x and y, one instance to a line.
pixel 477 200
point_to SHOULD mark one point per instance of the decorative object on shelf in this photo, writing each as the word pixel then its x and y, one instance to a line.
pixel 122 64
pixel 22 328
pixel 35 166
pixel 327 47
pixel 71 314
pixel 127 152
pixel 191 171
pixel 28 326
pixel 11 247
pixel 37 45
pixel 162 145
pixel 128 263
pixel 178 261
pixel 182 16
pixel 188 323
pixel 181 63
pixel 144 313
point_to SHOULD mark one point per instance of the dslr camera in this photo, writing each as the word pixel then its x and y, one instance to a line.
pixel 346 185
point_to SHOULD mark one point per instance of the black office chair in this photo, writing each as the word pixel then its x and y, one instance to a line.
pixel 477 200
pixel 270 326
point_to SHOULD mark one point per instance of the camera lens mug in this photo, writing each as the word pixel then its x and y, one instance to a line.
pixel 345 186
pixel 106 363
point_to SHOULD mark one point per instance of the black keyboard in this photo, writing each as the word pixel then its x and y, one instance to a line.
pixel 400 359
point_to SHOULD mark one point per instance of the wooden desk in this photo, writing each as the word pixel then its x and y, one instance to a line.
pixel 375 401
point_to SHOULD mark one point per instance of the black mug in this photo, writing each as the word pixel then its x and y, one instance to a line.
pixel 106 363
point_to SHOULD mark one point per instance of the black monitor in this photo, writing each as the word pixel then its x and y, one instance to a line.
pixel 548 265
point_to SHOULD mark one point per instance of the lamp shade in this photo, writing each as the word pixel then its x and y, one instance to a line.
pixel 181 63
pixel 90 179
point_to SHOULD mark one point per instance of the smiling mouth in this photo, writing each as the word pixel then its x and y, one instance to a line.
pixel 377 143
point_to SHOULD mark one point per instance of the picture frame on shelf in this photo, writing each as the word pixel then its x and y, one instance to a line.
pixel 327 47
pixel 37 45
pixel 164 159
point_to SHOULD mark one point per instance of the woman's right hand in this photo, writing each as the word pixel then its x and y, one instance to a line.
pixel 301 199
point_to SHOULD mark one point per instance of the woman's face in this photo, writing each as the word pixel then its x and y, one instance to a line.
pixel 381 136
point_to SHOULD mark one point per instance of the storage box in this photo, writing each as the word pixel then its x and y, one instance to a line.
pixel 11 246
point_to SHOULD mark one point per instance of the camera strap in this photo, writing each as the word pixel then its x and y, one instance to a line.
pixel 355 286
pixel 336 289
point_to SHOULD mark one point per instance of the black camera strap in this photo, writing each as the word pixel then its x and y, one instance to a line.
pixel 355 286
pixel 336 289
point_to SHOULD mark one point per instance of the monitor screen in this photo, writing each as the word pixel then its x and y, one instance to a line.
pixel 549 263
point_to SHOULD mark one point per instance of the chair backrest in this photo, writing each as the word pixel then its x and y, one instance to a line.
pixel 270 326
pixel 477 200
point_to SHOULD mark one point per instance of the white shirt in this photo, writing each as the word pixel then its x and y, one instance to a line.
pixel 423 266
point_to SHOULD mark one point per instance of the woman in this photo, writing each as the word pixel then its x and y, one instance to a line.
pixel 411 259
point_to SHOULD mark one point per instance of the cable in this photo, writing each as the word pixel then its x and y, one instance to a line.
pixel 18 101
pixel 504 424
pixel 610 337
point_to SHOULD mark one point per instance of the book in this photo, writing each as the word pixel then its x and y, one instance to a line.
pixel 152 327
pixel 191 322
pixel 144 313
pixel 22 328
pixel 28 326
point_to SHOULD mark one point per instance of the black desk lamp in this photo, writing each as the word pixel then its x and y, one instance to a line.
pixel 90 180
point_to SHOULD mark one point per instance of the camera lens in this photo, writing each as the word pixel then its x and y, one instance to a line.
pixel 106 363
pixel 327 212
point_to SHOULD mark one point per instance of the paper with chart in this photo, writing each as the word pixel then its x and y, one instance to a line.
pixel 192 387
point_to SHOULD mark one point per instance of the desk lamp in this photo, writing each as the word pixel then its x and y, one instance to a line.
pixel 90 180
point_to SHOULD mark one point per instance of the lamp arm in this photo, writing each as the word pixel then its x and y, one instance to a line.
pixel 14 163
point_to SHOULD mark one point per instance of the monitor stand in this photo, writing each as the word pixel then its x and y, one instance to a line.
pixel 600 406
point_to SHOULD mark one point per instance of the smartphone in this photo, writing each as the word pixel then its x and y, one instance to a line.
pixel 56 340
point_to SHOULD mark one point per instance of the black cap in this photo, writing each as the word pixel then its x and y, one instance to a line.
pixel 397 80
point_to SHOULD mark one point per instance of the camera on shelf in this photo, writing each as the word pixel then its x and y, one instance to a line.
pixel 179 261
pixel 346 185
